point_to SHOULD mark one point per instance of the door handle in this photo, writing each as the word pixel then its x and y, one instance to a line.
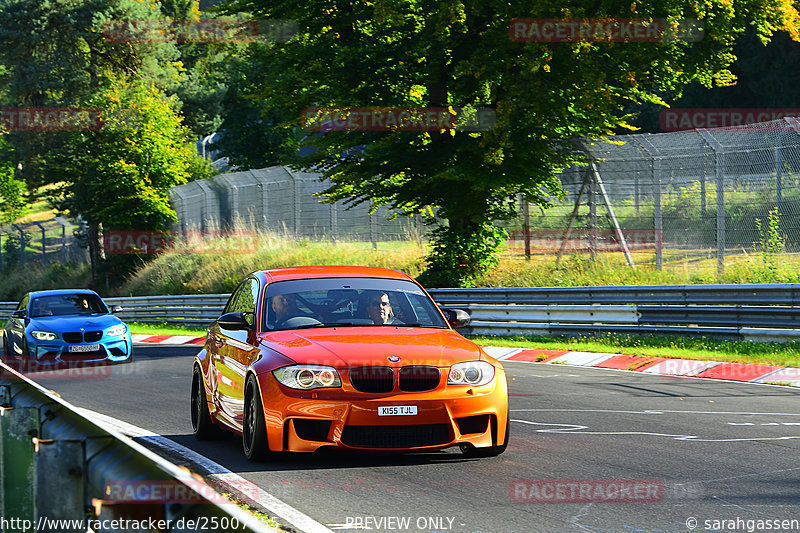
pixel 219 342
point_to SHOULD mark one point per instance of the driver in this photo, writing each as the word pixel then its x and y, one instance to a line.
pixel 380 310
pixel 42 308
pixel 284 306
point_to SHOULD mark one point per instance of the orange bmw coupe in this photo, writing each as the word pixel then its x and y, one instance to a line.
pixel 347 357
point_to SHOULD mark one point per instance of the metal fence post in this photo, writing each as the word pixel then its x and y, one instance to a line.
pixel 297 211
pixel 208 194
pixel 63 224
pixel 719 162
pixel 264 202
pixel 44 241
pixel 18 427
pixel 526 227
pixel 21 245
pixel 59 481
pixel 592 217
pixel 658 223
pixel 373 231
pixel 655 180
pixel 703 188
pixel 333 223
pixel 636 185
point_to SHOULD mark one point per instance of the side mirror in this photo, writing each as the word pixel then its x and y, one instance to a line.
pixel 116 308
pixel 20 313
pixel 234 322
pixel 458 318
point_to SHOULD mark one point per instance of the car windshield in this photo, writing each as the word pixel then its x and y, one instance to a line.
pixel 300 304
pixel 67 304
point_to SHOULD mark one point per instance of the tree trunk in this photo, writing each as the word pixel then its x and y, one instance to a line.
pixel 96 252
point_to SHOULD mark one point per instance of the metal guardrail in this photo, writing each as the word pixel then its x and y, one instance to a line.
pixel 56 466
pixel 755 311
pixel 760 312
pixel 192 309
pixel 748 294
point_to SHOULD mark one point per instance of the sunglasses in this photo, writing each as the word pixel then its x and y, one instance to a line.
pixel 378 303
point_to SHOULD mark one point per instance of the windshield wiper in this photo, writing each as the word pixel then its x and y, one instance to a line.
pixel 327 325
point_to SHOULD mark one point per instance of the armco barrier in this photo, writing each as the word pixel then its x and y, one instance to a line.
pixel 57 465
pixel 761 312
pixel 192 309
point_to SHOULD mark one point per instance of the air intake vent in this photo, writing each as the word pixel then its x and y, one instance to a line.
pixel 92 336
pixel 396 436
pixel 73 337
pixel 372 378
pixel 419 378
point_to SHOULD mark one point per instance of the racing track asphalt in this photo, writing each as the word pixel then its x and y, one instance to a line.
pixel 719 450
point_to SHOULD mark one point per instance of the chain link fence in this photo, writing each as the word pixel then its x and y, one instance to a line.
pixel 279 199
pixel 661 199
pixel 689 195
pixel 43 243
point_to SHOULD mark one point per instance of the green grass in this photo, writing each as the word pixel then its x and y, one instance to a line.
pixel 15 282
pixel 163 328
pixel 784 354
pixel 197 268
pixel 219 266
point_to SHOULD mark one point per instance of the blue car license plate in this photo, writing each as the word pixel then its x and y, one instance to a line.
pixel 84 348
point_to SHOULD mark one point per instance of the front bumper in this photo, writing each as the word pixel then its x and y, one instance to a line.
pixel 57 352
pixel 447 416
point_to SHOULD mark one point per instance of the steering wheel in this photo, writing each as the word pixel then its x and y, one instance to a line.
pixel 296 322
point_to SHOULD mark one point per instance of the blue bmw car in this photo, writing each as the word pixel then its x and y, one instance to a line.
pixel 66 326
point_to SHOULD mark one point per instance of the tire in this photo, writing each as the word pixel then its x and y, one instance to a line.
pixel 254 430
pixel 490 451
pixel 202 426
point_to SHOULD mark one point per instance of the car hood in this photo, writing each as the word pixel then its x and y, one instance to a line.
pixel 355 346
pixel 74 322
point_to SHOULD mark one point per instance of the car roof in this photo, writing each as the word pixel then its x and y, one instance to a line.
pixel 54 292
pixel 304 272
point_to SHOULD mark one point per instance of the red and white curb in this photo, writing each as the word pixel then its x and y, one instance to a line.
pixel 662 366
pixel 168 339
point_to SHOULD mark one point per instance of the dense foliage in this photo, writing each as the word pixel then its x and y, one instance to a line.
pixel 443 54
pixel 451 53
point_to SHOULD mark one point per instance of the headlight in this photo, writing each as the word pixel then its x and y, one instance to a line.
pixel 116 331
pixel 307 377
pixel 471 373
pixel 44 335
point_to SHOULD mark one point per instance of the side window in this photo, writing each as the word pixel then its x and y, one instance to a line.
pixel 421 310
pixel 230 307
pixel 246 298
pixel 23 304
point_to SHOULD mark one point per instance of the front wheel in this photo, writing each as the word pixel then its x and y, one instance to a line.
pixel 254 430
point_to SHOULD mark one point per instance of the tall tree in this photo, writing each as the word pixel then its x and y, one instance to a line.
pixel 252 135
pixel 59 54
pixel 118 177
pixel 441 53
